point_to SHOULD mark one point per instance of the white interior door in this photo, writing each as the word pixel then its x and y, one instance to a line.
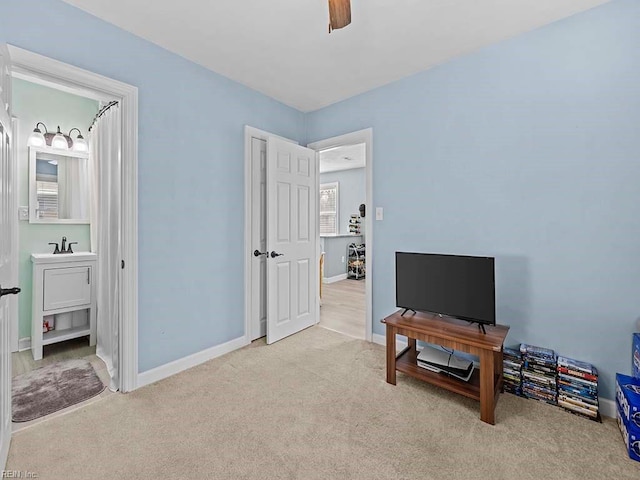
pixel 6 234
pixel 292 266
pixel 259 238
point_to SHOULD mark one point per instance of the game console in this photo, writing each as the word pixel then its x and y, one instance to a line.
pixel 441 361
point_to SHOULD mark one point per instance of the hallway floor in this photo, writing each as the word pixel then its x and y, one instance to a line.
pixel 343 307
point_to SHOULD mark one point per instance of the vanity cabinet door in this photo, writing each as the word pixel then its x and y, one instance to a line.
pixel 66 287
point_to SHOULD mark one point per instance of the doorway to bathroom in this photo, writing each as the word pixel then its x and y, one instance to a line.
pixel 54 321
pixel 54 196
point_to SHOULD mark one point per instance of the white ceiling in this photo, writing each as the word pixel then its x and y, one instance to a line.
pixel 282 47
pixel 343 158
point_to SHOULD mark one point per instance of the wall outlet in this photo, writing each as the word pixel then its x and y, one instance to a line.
pixel 23 213
pixel 343 259
pixel 379 213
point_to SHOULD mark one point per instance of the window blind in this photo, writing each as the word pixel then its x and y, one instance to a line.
pixel 329 209
pixel 47 193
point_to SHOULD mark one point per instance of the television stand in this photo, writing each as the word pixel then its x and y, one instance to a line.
pixel 407 310
pixel 484 385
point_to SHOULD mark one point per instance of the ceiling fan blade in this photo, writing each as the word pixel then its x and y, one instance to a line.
pixel 339 14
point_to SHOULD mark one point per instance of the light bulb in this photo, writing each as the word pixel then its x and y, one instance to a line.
pixel 59 141
pixel 36 139
pixel 80 144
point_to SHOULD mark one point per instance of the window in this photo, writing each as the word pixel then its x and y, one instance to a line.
pixel 329 208
pixel 47 197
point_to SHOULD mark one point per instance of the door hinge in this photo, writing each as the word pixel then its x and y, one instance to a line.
pixel 122 264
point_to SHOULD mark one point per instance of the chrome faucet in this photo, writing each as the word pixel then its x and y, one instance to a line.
pixel 63 245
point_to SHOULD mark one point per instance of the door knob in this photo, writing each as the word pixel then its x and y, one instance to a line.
pixel 257 253
pixel 9 291
pixel 274 254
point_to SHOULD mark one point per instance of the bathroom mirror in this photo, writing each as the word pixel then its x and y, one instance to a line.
pixel 58 186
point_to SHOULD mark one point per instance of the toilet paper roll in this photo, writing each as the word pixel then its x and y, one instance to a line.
pixel 80 318
pixel 63 321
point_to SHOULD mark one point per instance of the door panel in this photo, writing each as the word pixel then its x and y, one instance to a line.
pixel 66 287
pixel 6 234
pixel 292 267
pixel 303 291
pixel 284 293
pixel 303 213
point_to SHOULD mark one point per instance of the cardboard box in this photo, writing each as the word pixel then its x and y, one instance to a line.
pixel 630 436
pixel 635 356
pixel 628 398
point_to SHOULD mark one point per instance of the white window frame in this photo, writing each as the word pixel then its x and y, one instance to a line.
pixel 327 186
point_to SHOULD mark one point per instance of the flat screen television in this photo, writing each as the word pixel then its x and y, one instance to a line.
pixel 452 285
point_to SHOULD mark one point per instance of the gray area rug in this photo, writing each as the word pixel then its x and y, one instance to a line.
pixel 51 388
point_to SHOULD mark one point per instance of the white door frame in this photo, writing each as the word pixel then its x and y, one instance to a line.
pixel 361 136
pixel 98 87
pixel 13 221
pixel 249 133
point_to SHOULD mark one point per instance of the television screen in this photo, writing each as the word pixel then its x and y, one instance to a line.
pixel 452 285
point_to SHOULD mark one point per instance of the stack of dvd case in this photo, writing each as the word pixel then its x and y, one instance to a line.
pixel 539 372
pixel 512 370
pixel 578 387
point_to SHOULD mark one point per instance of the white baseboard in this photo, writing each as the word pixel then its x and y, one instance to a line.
pixel 607 408
pixel 337 278
pixel 24 344
pixel 177 366
pixel 401 342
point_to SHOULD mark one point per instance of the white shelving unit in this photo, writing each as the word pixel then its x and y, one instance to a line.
pixel 356 264
pixel 355 225
pixel 55 336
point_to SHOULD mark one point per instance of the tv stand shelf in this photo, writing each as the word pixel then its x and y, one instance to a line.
pixel 406 363
pixel 485 383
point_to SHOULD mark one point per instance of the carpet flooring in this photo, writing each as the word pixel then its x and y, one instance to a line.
pixel 314 406
pixel 53 387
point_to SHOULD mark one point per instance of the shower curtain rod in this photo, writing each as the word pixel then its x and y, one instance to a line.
pixel 101 112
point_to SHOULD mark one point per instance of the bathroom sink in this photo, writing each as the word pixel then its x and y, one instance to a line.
pixel 62 257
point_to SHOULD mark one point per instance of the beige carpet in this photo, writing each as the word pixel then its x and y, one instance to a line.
pixel 314 406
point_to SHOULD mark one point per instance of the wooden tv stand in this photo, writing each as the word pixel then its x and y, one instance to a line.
pixel 455 334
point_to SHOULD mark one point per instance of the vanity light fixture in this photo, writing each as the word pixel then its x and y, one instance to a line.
pixel 57 140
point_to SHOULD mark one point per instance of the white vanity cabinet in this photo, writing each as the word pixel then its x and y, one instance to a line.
pixel 62 283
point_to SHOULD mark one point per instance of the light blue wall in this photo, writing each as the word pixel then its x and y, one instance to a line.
pixel 351 193
pixel 335 250
pixel 529 151
pixel 191 170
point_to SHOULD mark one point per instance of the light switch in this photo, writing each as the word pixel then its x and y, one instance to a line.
pixel 379 213
pixel 23 213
